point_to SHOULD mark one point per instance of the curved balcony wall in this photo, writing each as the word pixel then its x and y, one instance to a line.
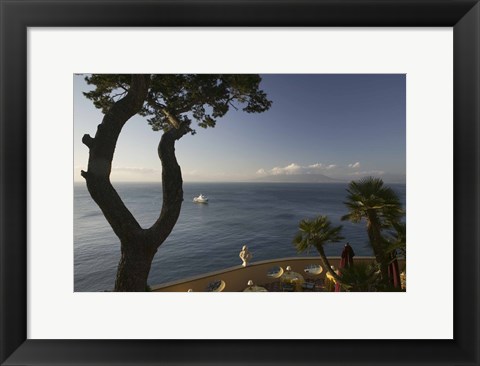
pixel 236 277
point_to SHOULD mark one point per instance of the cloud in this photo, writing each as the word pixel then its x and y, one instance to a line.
pixel 295 169
pixel 331 170
pixel 288 170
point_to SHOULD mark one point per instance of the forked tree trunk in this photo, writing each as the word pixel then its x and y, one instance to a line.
pixel 138 246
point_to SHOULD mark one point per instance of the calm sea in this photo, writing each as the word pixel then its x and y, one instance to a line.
pixel 209 237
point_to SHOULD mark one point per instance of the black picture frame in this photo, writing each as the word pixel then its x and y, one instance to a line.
pixel 18 15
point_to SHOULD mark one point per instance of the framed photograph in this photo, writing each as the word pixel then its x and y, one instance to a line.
pixel 327 101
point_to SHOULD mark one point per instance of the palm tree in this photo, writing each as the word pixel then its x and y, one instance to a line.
pixel 361 277
pixel 316 233
pixel 368 199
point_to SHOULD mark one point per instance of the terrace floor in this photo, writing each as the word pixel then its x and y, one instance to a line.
pixel 236 279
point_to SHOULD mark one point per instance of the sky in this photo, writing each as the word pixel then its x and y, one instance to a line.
pixel 339 125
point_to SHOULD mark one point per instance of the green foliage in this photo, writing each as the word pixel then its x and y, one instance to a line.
pixel 175 99
pixel 397 241
pixel 361 277
pixel 316 233
pixel 370 195
pixel 108 89
pixel 370 200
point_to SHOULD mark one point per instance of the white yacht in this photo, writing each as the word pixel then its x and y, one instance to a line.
pixel 200 199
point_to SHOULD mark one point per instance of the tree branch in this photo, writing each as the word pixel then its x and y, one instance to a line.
pixel 171 183
pixel 88 140
pixel 171 118
pixel 101 156
pixel 233 105
pixel 119 94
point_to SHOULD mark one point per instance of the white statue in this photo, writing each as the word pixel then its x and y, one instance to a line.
pixel 245 256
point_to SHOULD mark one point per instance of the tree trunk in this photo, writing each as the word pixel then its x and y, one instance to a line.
pixel 326 263
pixel 138 246
pixel 172 184
pixel 134 266
pixel 376 239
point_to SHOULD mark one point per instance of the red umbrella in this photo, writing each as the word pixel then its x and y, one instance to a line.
pixel 337 284
pixel 394 273
pixel 347 256
pixel 346 261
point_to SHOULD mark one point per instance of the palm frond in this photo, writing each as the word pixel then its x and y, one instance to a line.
pixel 315 233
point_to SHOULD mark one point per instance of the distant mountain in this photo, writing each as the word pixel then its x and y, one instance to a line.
pixel 387 178
pixel 298 178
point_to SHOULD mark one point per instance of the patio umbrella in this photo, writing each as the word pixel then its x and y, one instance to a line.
pixel 345 262
pixel 216 286
pixel 330 281
pixel 403 280
pixel 275 272
pixel 252 288
pixel 313 269
pixel 347 256
pixel 394 273
pixel 291 279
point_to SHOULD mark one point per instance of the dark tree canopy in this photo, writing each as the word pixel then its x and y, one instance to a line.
pixel 175 99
